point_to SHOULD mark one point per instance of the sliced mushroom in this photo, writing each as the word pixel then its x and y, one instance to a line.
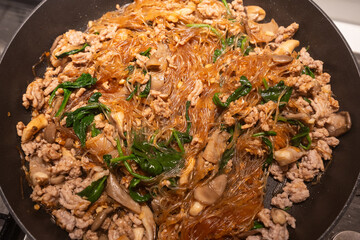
pixel 196 208
pixel 209 194
pixel 117 192
pixel 119 120
pixel 147 219
pixel 278 216
pixel 264 32
pixel 255 13
pixel 184 178
pixel 216 146
pixel 282 59
pixel 35 125
pixel 50 133
pixel 158 60
pixel 39 175
pixel 338 123
pixel 138 233
pixel 287 47
pixel 57 180
pixel 288 155
pixel 100 218
pixel 56 105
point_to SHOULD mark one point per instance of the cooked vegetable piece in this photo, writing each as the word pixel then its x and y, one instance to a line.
pixel 146 53
pixel 67 94
pixel 146 90
pixel 95 97
pixel 266 133
pixel 227 7
pixel 307 100
pixel 243 90
pixel 85 80
pixel 94 191
pixel 81 118
pixel 154 160
pixel 258 225
pixel 227 155
pixel 136 195
pixel 65 54
pixel 270 157
pixel 130 68
pixel 132 93
pixel 202 25
pixel 308 72
pixel 94 131
pixel 274 93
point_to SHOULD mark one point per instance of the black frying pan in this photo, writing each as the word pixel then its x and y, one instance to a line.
pixel 315 217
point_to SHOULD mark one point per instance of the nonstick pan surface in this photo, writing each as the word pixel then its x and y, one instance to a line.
pixel 315 216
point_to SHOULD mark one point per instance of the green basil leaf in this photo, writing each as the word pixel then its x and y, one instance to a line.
pixel 94 131
pixel 85 80
pixel 65 54
pixel 273 93
pixel 135 195
pixel 146 53
pixel 258 225
pixel 266 133
pixel 132 93
pixel 95 97
pixel 130 68
pixel 67 94
pixel 269 158
pixel 241 91
pixel 308 72
pixel 94 191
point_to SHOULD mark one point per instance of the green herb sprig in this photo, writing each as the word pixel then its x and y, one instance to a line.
pixel 241 91
pixel 273 93
pixel 65 54
pixel 85 80
pixel 94 190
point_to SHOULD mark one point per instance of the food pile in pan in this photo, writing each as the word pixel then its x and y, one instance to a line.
pixel 164 119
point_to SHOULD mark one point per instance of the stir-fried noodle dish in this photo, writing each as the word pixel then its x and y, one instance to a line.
pixel 164 119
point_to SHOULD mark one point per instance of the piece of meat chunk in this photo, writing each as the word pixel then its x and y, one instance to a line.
pixel 64 219
pixel 307 60
pixel 286 33
pixel 294 192
pixel 48 196
pixel 308 168
pixel 211 9
pixel 34 95
pixel 161 107
pixel 278 172
pixel 216 146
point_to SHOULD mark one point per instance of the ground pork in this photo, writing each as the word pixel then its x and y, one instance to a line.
pixel 308 168
pixel 65 164
pixel 161 107
pixel 277 171
pixel 49 151
pixel 74 38
pixel 48 196
pixel 237 9
pixel 64 219
pixel 34 95
pixel 286 33
pixel 90 235
pixel 307 60
pixel 323 149
pixel 252 118
pixel 109 32
pixel 305 84
pixel 120 226
pixel 81 58
pixel 70 200
pixel 211 9
pixel 296 192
